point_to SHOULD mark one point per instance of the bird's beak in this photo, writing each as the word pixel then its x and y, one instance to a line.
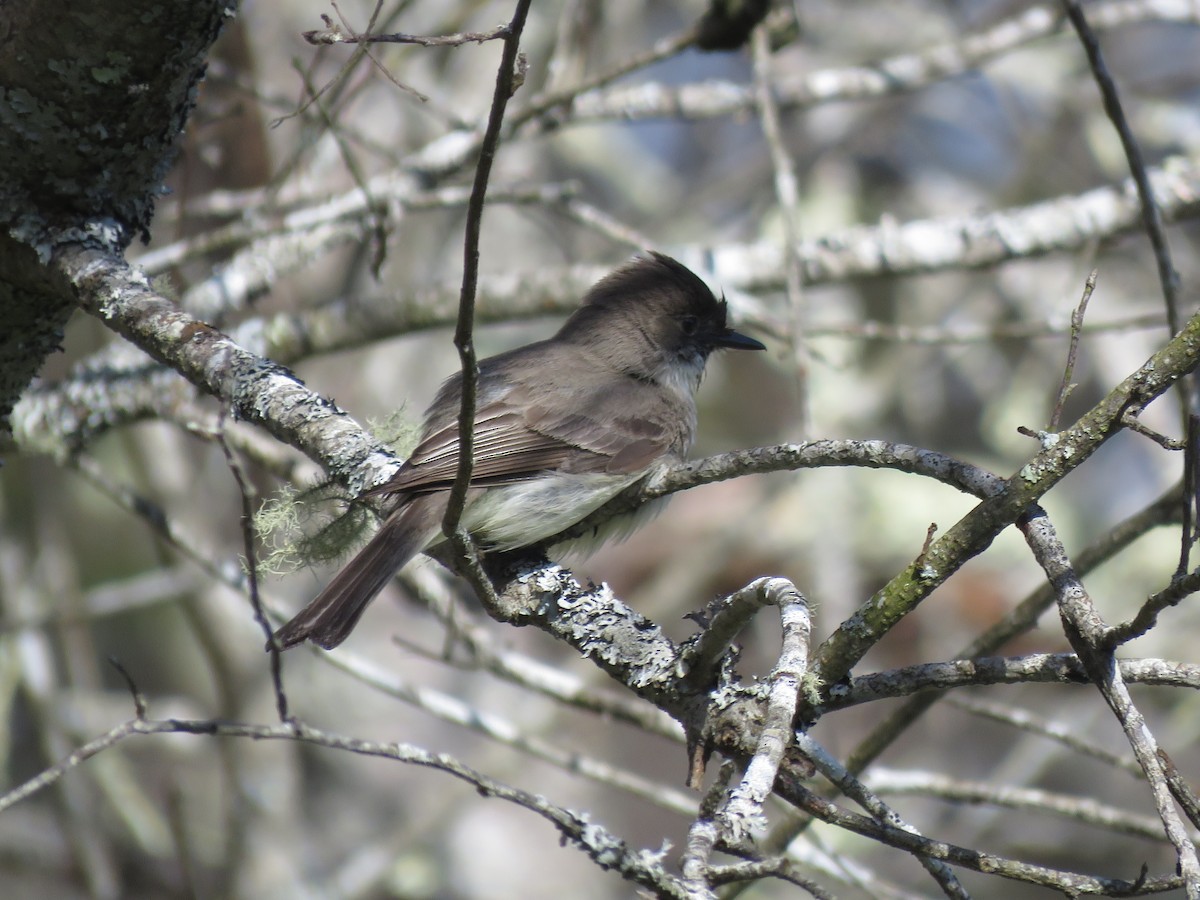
pixel 733 341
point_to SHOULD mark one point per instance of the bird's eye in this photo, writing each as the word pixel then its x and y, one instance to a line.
pixel 690 325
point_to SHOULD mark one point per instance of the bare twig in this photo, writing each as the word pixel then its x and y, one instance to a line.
pixel 1081 809
pixel 1071 883
pixel 333 34
pixel 1180 789
pixel 1191 492
pixel 1032 668
pixel 775 867
pixel 1151 215
pixel 1066 386
pixel 700 659
pixel 845 782
pixel 250 548
pixel 562 686
pixel 338 80
pixel 950 335
pixel 1173 594
pixel 606 224
pixel 376 63
pixel 1060 733
pixel 702 838
pixel 1131 421
pixel 548 103
pixel 975 531
pixel 376 213
pixel 139 699
pixel 887 76
pixel 1085 631
pixel 787 194
pixel 508 732
pixel 463 339
pixel 1152 221
pixel 975 670
pixel 742 816
pixel 591 838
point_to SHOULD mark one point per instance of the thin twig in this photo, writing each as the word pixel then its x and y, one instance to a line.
pixel 1152 221
pixel 1062 734
pixel 1072 884
pixel 334 34
pixel 1173 594
pixel 1161 512
pixel 1131 421
pixel 546 102
pixel 1151 216
pixel 700 659
pixel 849 785
pixel 1077 317
pixel 250 548
pixel 1032 668
pixel 1180 789
pixel 605 223
pixel 139 699
pixel 463 332
pixel 702 837
pixel 1085 810
pixel 591 838
pixel 562 686
pixel 787 194
pixel 942 335
pixel 775 867
pixel 374 211
pixel 742 814
pixel 1191 492
pixel 1085 630
pixel 337 80
pixel 376 63
pixel 882 77
pixel 511 733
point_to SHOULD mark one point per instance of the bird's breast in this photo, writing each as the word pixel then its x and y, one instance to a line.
pixel 511 516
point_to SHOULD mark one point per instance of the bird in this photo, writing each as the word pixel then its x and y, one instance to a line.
pixel 561 427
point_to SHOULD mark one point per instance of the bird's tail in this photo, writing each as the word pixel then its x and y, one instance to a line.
pixel 332 615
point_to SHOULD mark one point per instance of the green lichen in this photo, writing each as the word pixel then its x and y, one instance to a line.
pixel 314 525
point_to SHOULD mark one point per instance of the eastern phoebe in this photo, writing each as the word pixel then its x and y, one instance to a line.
pixel 561 427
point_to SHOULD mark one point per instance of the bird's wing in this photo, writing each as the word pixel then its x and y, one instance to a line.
pixel 517 437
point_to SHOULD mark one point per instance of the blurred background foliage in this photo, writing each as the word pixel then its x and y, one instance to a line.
pixel 951 360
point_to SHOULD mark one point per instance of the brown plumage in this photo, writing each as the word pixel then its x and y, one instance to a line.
pixel 561 426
